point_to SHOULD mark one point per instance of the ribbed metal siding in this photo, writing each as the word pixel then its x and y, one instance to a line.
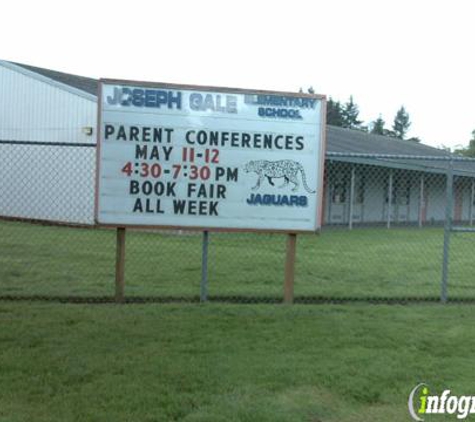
pixel 31 110
pixel 39 181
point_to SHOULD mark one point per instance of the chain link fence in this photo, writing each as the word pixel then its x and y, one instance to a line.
pixel 396 228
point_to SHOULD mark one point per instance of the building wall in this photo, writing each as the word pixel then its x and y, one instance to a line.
pixel 406 202
pixel 33 110
pixel 56 183
pixel 42 181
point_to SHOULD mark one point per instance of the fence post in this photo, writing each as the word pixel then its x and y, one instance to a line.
pixel 290 268
pixel 120 265
pixel 204 268
pixel 447 229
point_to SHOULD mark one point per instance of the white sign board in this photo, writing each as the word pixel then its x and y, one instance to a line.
pixel 211 158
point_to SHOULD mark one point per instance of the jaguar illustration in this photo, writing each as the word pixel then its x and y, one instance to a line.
pixel 287 169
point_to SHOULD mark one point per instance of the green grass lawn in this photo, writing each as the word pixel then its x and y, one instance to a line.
pixel 64 362
pixel 362 263
pixel 61 362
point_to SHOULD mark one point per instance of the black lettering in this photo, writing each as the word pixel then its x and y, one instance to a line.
pixel 109 130
pixel 147 187
pixel 202 191
pixel 146 134
pixel 159 188
pixel 213 208
pixel 157 134
pixel 140 152
pixel 187 137
pixel 202 137
pixel 169 134
pixel 203 208
pixel 191 189
pixel 268 141
pixel 171 188
pixel 245 140
pixel 155 154
pixel 134 133
pixel 221 194
pixel 134 187
pixel 257 140
pixel 138 206
pixel 167 151
pixel 192 207
pixel 235 139
pixel 277 140
pixel 122 135
pixel 220 171
pixel 213 138
pixel 289 142
pixel 232 174
pixel 224 137
pixel 179 206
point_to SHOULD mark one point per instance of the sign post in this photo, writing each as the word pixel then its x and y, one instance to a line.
pixel 204 268
pixel 206 158
pixel 290 268
pixel 120 266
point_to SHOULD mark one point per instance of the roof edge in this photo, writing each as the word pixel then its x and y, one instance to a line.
pixel 75 91
pixel 402 142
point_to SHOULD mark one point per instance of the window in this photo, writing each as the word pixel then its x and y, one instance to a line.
pixel 401 190
pixel 360 182
pixel 339 187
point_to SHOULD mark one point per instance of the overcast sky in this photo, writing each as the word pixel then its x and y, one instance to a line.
pixel 420 54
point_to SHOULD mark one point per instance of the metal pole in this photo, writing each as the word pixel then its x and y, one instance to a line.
pixel 120 265
pixel 447 228
pixel 290 268
pixel 330 194
pixel 390 199
pixel 352 198
pixel 421 201
pixel 204 268
pixel 472 197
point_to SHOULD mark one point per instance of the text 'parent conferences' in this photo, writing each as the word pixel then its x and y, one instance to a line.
pixel 205 137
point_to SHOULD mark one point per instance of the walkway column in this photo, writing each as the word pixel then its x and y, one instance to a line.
pixel 390 199
pixel 472 197
pixel 421 201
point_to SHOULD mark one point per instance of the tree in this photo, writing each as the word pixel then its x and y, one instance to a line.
pixel 469 151
pixel 377 127
pixel 334 113
pixel 350 114
pixel 310 90
pixel 401 123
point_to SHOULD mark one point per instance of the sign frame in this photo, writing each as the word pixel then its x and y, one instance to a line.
pixel 320 153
